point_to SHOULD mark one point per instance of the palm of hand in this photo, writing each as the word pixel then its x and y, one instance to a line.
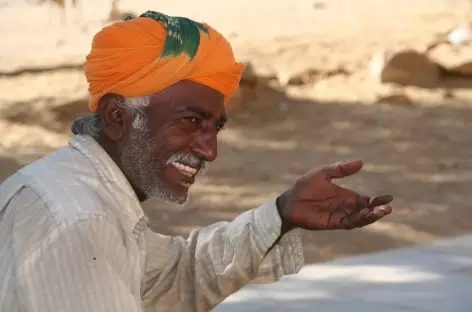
pixel 315 203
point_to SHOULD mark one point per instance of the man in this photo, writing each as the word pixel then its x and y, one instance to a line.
pixel 74 235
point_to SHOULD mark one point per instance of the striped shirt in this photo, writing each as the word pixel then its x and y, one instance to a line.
pixel 74 237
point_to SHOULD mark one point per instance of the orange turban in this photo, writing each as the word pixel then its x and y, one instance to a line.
pixel 147 54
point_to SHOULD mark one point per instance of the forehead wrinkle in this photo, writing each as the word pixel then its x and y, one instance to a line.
pixel 181 97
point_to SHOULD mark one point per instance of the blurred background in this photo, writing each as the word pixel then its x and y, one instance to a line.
pixel 385 81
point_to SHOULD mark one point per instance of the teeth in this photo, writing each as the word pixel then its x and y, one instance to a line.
pixel 184 169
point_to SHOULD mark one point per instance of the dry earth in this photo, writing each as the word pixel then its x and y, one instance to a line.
pixel 317 104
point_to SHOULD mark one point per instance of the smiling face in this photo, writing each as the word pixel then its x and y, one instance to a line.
pixel 183 123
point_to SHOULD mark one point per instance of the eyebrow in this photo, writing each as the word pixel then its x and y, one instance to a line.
pixel 205 114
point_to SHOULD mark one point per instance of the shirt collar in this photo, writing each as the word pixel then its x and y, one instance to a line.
pixel 114 180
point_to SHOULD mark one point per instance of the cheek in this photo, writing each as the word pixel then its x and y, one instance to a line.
pixel 173 138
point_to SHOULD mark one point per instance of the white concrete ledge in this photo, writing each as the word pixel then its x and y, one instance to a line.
pixel 432 278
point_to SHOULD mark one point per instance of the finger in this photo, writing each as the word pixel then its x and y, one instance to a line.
pixel 384 209
pixel 376 214
pixel 351 221
pixel 380 201
pixel 362 201
pixel 340 170
pixel 379 212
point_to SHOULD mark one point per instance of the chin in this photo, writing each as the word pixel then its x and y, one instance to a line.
pixel 176 199
pixel 179 201
pixel 171 196
pixel 168 191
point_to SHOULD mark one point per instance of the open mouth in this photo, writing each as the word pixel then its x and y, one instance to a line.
pixel 187 171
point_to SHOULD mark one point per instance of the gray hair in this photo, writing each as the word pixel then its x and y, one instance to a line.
pixel 91 125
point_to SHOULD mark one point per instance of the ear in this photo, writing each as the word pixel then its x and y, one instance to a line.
pixel 115 121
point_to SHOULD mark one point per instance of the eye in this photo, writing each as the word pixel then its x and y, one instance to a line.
pixel 191 123
pixel 190 119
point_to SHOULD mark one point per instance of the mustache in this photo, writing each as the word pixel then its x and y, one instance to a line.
pixel 189 160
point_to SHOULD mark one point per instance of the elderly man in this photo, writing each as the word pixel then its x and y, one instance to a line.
pixel 74 236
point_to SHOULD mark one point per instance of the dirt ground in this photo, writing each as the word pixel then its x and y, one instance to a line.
pixel 420 153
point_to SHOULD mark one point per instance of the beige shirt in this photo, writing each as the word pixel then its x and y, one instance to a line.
pixel 75 238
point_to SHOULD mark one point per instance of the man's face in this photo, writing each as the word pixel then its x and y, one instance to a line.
pixel 183 123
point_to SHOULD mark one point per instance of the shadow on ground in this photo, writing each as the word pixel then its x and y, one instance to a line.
pixel 8 166
pixel 420 155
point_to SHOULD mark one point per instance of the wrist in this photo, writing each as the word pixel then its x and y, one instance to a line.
pixel 286 226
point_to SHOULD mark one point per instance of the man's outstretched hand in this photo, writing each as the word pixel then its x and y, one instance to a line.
pixel 316 203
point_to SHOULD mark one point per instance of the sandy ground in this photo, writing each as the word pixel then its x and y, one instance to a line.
pixel 419 153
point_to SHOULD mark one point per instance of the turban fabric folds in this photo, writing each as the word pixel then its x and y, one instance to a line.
pixel 147 54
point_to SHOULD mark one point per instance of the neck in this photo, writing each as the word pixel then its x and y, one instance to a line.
pixel 112 150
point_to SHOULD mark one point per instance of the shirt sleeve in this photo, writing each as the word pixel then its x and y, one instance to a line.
pixel 214 262
pixel 80 266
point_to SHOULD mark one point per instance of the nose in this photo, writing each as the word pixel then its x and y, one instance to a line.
pixel 205 145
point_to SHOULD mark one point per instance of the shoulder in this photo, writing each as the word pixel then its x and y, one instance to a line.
pixel 68 185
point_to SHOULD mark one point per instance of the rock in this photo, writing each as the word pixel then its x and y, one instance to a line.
pixel 309 76
pixel 236 101
pixel 117 15
pixel 406 67
pixel 254 90
pixel 455 60
pixel 317 5
pixel 312 75
pixel 464 69
pixel 397 99
pixel 246 91
pixel 459 36
pixel 457 66
pixel 249 76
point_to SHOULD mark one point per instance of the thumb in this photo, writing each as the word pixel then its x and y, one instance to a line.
pixel 343 169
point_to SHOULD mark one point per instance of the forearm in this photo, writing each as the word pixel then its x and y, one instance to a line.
pixel 223 257
pixel 249 254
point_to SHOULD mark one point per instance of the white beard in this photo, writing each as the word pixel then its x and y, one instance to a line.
pixel 143 168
